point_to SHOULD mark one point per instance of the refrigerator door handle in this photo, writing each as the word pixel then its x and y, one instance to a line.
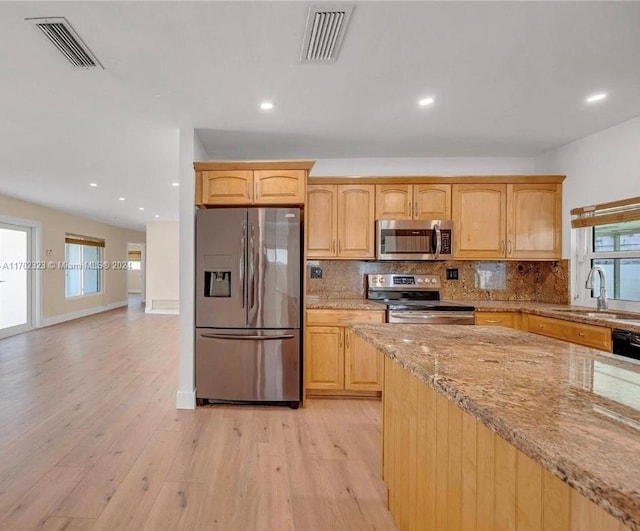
pixel 252 268
pixel 243 259
pixel 234 337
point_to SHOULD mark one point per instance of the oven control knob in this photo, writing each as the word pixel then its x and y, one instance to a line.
pixel 434 281
pixel 381 280
pixel 419 281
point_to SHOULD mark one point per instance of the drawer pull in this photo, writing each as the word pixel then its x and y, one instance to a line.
pixel 581 334
pixel 493 321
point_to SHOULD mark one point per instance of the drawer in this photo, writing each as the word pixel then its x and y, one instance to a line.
pixel 583 334
pixel 343 317
pixel 509 319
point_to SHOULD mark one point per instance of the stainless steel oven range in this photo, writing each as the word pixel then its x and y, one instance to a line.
pixel 416 299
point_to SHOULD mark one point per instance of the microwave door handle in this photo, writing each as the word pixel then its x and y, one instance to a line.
pixel 438 233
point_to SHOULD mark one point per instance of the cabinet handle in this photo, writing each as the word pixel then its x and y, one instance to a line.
pixel 340 342
pixel 502 247
pixel 257 193
pixel 248 191
pixel 417 212
pixel 339 246
pixel 410 209
pixel 581 334
pixel 333 246
pixel 346 338
pixel 540 326
pixel 493 321
pixel 510 248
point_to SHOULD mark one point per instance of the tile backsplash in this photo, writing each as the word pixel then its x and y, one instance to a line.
pixel 477 280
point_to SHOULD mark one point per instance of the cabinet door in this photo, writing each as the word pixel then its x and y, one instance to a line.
pixel 356 220
pixel 324 357
pixel 534 219
pixel 479 216
pixel 394 201
pixel 432 201
pixel 322 220
pixel 363 364
pixel 280 187
pixel 227 187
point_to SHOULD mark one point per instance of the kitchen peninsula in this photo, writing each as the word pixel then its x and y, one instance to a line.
pixel 492 428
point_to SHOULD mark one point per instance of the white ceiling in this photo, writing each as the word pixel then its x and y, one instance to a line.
pixel 509 79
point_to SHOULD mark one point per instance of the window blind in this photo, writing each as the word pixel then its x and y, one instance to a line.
pixel 134 256
pixel 83 240
pixel 606 213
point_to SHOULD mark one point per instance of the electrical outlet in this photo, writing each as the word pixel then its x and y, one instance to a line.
pixel 452 274
pixel 316 272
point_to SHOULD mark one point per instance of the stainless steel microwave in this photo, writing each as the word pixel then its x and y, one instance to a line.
pixel 414 240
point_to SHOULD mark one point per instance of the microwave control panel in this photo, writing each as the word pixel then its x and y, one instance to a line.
pixel 446 242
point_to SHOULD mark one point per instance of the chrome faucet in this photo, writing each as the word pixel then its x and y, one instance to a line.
pixel 602 298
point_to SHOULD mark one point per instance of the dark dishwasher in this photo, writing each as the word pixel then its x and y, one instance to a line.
pixel 626 343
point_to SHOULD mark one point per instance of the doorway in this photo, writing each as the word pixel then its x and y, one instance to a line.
pixel 17 270
pixel 136 273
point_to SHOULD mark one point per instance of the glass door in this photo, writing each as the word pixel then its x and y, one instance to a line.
pixel 16 272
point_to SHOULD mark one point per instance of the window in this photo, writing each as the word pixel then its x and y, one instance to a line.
pixel 83 266
pixel 609 237
pixel 135 260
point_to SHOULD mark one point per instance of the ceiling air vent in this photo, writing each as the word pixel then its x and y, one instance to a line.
pixel 66 40
pixel 324 33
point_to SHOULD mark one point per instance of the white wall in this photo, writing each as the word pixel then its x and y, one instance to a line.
pixel 436 166
pixel 134 276
pixel 162 267
pixel 54 225
pixel 601 167
pixel 190 150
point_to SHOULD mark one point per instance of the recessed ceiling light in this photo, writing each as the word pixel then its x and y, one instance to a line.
pixel 175 184
pixel 141 208
pixel 596 97
pixel 157 216
pixel 120 198
pixel 93 185
pixel 426 101
pixel 266 105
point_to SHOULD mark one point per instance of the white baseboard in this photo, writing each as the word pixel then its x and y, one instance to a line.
pixel 186 399
pixel 163 306
pixel 56 319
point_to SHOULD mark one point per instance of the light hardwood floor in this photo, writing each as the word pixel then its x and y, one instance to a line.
pixel 90 439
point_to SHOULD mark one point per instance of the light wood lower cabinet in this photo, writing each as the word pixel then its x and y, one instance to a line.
pixel 445 470
pixel 579 333
pixel 508 319
pixel 337 361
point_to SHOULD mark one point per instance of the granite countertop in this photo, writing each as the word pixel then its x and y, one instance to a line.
pixel 577 314
pixel 323 303
pixel 573 409
pixel 559 311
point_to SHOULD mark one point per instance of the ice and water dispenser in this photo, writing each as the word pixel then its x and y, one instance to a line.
pixel 217 283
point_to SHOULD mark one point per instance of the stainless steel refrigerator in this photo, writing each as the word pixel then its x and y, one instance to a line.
pixel 248 305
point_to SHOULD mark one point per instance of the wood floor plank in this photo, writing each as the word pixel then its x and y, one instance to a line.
pixel 28 512
pixel 87 411
pixel 135 496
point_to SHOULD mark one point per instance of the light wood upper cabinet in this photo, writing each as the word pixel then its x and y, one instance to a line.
pixel 340 221
pixel 279 186
pixel 520 221
pixel 322 221
pixel 227 187
pixel 356 215
pixel 394 201
pixel 413 201
pixel 479 215
pixel 534 214
pixel 251 183
pixel 431 201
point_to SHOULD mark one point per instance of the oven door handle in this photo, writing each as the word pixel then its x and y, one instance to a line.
pixel 429 315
